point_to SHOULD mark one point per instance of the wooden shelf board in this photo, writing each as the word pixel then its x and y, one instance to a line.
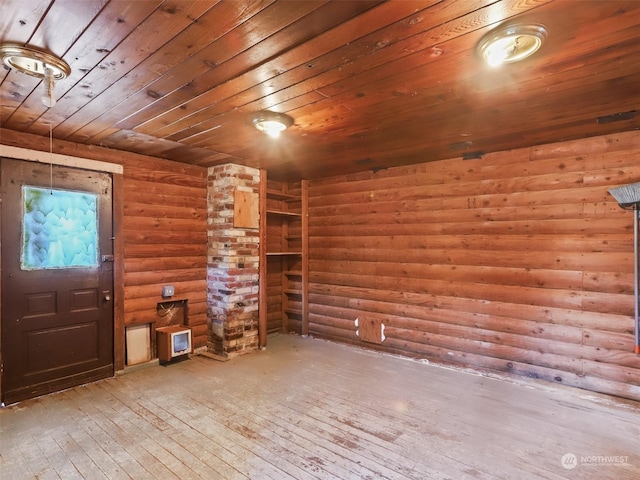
pixel 281 195
pixel 297 273
pixel 283 253
pixel 285 214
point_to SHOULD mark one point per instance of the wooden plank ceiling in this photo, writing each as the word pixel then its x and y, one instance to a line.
pixel 369 84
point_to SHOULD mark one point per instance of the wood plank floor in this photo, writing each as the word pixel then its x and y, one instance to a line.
pixel 310 409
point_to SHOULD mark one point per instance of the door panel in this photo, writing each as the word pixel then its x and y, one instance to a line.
pixel 57 312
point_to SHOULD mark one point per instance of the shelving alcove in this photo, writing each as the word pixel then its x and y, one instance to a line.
pixel 284 258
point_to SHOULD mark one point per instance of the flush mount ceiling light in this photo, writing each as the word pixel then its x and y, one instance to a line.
pixel 511 43
pixel 272 123
pixel 37 63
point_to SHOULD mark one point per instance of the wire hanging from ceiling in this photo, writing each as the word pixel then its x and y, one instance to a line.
pixel 51 157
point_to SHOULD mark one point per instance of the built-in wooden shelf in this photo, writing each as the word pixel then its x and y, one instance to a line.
pixel 284 213
pixel 284 265
pixel 278 195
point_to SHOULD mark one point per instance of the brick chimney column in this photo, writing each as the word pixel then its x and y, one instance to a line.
pixel 232 264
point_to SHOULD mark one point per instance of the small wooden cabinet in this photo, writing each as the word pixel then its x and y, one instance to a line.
pixel 284 285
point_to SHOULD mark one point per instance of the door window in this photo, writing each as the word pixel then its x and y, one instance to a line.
pixel 59 229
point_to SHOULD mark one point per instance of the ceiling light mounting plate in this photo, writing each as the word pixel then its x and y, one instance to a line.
pixel 33 61
pixel 511 43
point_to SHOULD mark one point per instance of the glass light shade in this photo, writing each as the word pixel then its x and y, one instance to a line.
pixel 511 44
pixel 272 123
pixel 271 127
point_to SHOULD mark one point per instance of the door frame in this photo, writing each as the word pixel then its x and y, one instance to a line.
pixel 116 171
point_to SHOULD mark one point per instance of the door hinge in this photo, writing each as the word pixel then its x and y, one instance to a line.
pixel 107 258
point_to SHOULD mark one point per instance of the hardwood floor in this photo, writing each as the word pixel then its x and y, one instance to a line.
pixel 310 409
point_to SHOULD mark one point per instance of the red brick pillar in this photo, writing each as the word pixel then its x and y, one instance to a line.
pixel 232 264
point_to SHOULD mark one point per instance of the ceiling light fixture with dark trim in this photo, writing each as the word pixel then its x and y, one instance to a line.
pixel 511 43
pixel 272 123
pixel 37 63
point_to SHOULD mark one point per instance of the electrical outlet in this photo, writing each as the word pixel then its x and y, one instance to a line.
pixel 168 291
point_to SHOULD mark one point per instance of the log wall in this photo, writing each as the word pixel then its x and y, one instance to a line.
pixel 163 232
pixel 519 261
pixel 165 240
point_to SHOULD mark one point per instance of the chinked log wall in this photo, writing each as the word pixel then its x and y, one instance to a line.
pixel 519 261
pixel 164 229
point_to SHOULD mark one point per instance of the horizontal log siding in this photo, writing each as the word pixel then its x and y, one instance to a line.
pixel 164 229
pixel 165 240
pixel 520 261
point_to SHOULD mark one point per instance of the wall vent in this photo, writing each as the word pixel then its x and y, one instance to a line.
pixel 472 155
pixel 616 117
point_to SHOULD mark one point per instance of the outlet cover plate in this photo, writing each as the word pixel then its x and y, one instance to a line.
pixel 168 291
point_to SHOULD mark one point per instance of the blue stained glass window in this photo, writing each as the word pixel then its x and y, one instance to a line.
pixel 59 229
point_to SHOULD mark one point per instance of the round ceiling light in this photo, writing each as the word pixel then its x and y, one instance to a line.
pixel 511 43
pixel 33 61
pixel 272 123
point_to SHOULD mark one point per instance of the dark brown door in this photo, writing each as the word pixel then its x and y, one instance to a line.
pixel 57 278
